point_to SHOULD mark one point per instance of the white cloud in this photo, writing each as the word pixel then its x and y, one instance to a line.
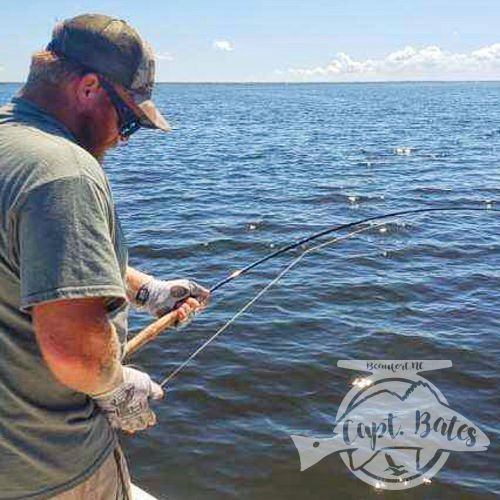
pixel 223 45
pixel 164 56
pixel 408 63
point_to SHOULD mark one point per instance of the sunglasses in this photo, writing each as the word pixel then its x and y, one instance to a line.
pixel 128 122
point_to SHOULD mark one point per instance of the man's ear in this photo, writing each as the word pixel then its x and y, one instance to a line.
pixel 88 91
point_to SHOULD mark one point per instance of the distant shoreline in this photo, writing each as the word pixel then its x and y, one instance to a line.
pixel 384 82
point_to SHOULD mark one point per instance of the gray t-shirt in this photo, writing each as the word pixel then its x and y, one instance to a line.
pixel 59 239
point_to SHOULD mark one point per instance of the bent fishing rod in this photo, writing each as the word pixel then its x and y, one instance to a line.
pixel 170 319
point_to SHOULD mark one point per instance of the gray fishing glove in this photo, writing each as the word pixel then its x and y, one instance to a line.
pixel 127 406
pixel 161 297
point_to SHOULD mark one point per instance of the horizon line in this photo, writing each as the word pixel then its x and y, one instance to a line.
pixel 288 82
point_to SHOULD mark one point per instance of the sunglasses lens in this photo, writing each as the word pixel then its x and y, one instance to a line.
pixel 127 120
pixel 129 128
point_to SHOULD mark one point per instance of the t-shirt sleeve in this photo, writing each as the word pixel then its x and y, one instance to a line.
pixel 65 243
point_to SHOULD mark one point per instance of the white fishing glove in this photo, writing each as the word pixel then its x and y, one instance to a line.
pixel 161 297
pixel 127 406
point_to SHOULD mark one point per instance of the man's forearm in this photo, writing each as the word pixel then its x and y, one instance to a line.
pixel 135 279
pixel 110 370
pixel 79 344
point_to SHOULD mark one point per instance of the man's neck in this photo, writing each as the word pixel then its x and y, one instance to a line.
pixel 57 105
pixel 54 105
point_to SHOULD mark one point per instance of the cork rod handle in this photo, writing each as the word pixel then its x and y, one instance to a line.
pixel 151 332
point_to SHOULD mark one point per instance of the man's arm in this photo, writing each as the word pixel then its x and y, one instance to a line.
pixel 79 344
pixel 68 266
pixel 135 280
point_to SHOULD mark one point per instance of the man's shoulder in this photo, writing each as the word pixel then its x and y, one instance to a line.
pixel 40 156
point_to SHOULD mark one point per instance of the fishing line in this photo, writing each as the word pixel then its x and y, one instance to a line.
pixel 259 295
pixel 245 270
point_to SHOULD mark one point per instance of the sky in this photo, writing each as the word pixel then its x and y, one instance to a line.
pixel 282 40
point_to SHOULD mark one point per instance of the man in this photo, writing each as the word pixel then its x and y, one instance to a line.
pixel 64 281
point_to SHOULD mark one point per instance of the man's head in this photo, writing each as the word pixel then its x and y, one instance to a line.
pixel 97 76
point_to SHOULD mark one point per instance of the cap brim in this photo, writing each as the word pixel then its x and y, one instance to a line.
pixel 152 118
pixel 145 109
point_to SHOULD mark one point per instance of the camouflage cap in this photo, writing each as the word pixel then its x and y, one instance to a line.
pixel 113 49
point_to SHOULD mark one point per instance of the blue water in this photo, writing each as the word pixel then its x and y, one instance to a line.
pixel 252 167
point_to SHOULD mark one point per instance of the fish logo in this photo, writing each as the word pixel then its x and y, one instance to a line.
pixel 394 429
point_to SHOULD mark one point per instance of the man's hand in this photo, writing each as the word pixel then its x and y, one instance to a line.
pixel 161 297
pixel 127 406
